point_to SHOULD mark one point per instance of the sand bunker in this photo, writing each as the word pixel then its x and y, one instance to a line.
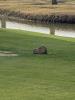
pixel 7 53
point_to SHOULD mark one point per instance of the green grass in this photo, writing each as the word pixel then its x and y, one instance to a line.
pixel 37 77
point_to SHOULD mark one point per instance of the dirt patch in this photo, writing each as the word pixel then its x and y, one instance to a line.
pixel 7 53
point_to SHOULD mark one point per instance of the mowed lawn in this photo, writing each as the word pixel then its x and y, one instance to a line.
pixel 36 77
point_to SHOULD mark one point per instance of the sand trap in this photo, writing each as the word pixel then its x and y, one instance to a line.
pixel 7 53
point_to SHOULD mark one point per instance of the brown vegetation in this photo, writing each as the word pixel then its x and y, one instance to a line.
pixel 43 13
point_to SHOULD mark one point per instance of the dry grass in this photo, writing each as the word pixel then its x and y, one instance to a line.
pixel 40 9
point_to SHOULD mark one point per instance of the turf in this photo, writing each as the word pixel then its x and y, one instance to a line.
pixel 36 77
